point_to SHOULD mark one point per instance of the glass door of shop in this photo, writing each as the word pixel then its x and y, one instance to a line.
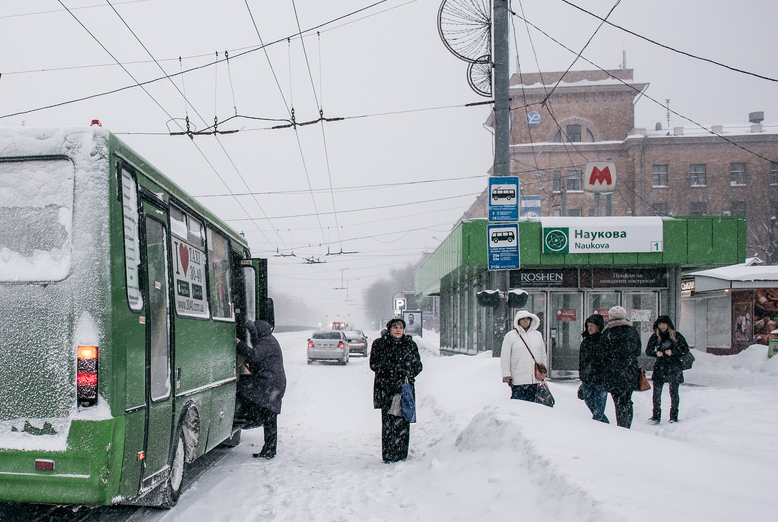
pixel 642 311
pixel 564 334
pixel 601 302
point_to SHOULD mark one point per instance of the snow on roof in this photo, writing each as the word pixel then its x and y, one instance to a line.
pixel 741 272
pixel 580 83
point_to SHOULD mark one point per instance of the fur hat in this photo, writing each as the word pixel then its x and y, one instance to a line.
pixel 617 312
pixel 393 321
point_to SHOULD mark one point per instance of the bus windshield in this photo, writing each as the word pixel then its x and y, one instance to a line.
pixel 36 210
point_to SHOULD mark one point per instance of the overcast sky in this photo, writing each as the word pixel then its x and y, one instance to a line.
pixel 388 180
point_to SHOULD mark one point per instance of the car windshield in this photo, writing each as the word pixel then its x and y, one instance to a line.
pixel 326 335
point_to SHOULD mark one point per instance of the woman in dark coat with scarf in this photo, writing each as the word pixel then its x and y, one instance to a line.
pixel 591 367
pixel 394 357
pixel 262 391
pixel 668 346
pixel 622 348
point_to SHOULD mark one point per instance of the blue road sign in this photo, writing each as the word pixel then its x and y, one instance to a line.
pixel 503 198
pixel 533 118
pixel 503 248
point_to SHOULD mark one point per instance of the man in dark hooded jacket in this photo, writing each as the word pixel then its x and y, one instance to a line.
pixel 262 391
pixel 592 360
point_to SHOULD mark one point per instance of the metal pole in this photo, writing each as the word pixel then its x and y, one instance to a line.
pixel 502 136
pixel 502 115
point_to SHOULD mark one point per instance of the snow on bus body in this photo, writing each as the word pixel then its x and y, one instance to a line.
pixel 54 267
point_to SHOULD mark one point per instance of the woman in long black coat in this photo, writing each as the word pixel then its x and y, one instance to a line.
pixel 622 348
pixel 668 346
pixel 394 357
pixel 263 390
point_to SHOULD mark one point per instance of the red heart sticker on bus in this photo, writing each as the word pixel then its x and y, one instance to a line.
pixel 183 255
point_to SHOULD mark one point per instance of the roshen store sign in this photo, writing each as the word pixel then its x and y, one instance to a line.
pixel 608 235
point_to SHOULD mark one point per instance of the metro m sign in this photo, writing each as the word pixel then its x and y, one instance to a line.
pixel 600 176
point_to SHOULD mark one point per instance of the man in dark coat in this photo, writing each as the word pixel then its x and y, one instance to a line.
pixel 668 346
pixel 591 367
pixel 622 348
pixel 262 391
pixel 394 357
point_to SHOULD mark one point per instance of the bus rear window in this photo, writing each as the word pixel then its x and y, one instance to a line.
pixel 36 212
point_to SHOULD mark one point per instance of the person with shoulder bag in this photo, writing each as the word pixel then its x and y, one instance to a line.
pixel 394 357
pixel 523 357
pixel 622 348
pixel 669 347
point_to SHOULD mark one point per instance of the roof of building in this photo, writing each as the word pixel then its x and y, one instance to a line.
pixel 748 271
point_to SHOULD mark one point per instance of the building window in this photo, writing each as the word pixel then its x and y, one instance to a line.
pixel 573 133
pixel 773 173
pixel 774 208
pixel 659 209
pixel 698 208
pixel 699 175
pixel 659 176
pixel 738 208
pixel 574 180
pixel 557 181
pixel 589 135
pixel 575 212
pixel 737 174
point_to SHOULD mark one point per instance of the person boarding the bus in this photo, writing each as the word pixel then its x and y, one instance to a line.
pixel 263 390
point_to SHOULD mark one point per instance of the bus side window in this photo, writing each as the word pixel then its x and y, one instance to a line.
pixel 219 276
pixel 131 240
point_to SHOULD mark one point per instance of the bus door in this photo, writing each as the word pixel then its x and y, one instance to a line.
pixel 159 415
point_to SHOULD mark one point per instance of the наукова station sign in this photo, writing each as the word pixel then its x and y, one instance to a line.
pixel 580 235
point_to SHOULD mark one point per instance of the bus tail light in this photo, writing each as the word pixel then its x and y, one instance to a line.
pixel 86 378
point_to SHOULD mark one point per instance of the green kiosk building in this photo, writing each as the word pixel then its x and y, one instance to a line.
pixel 570 267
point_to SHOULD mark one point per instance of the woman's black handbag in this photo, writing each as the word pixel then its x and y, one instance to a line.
pixel 687 360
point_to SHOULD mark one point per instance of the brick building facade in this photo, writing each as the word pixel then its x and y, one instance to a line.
pixel 732 170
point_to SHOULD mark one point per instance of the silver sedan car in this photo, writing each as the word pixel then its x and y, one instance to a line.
pixel 357 341
pixel 331 345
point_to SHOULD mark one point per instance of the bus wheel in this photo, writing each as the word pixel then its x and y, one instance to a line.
pixel 172 488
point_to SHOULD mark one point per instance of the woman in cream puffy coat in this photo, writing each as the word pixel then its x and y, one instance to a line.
pixel 518 366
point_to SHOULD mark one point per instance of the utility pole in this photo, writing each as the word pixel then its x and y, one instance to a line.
pixel 502 136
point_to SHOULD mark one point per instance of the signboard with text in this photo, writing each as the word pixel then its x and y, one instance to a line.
pixel 602 235
pixel 503 246
pixel 503 198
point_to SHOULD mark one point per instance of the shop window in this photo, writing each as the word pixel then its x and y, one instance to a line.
pixel 699 175
pixel 659 176
pixel 737 174
pixel 698 208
